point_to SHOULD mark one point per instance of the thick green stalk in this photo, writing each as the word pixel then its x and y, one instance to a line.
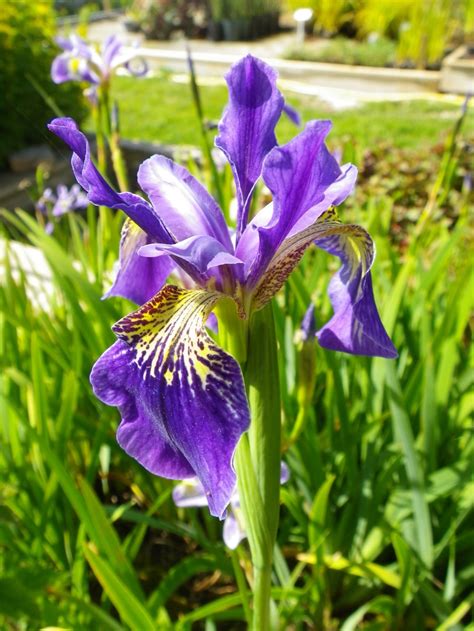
pixel 263 388
pixel 257 458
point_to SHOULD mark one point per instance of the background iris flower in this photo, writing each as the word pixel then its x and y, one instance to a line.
pixel 181 397
pixel 53 205
pixel 81 61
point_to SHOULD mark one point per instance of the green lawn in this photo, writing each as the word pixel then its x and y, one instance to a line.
pixel 157 109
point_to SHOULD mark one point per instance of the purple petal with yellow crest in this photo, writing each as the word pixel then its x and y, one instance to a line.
pixel 355 327
pixel 305 180
pixel 177 392
pixel 138 278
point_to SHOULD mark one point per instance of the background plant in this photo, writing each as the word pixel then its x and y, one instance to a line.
pixel 26 51
pixel 423 30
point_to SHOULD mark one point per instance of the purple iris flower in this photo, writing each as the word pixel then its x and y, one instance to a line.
pixel 182 398
pixel 81 61
pixel 191 493
pixel 56 204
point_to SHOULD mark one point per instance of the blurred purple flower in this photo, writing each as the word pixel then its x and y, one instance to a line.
pixel 182 398
pixel 81 61
pixel 191 494
pixel 308 324
pixel 55 204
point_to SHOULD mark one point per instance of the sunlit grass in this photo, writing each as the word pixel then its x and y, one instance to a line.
pixel 160 110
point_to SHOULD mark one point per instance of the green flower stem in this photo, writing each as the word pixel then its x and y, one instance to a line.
pixel 112 134
pixel 263 388
pixel 257 457
pixel 118 162
pixel 241 584
pixel 100 141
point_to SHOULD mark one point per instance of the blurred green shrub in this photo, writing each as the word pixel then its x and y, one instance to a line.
pixel 29 98
pixel 341 50
pixel 422 29
pixel 329 15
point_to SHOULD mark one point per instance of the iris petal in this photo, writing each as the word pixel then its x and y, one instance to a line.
pixel 98 191
pixel 305 181
pixel 203 253
pixel 138 278
pixel 184 390
pixel 182 203
pixel 247 129
pixel 232 532
pixel 355 327
pixel 189 493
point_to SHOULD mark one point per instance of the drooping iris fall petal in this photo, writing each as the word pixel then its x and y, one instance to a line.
pixel 182 390
pixel 356 326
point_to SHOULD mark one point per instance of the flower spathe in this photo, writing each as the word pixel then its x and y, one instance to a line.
pixel 181 397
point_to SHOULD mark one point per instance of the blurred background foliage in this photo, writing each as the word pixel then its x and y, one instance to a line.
pixel 421 30
pixel 28 97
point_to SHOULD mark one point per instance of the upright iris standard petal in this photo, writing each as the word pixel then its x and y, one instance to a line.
pixel 181 387
pixel 138 279
pixel 98 191
pixel 355 327
pixel 182 203
pixel 247 129
pixel 111 49
pixel 305 181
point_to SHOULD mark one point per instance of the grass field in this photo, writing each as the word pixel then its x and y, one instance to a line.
pixel 158 110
